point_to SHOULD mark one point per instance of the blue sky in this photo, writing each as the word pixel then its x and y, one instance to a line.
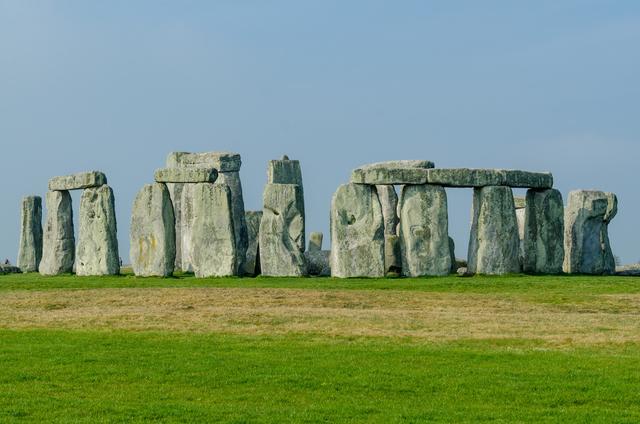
pixel 115 86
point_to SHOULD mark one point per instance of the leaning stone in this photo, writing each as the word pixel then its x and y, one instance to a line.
pixel 424 231
pixel 30 251
pixel 544 222
pixel 464 177
pixel 494 245
pixel 252 261
pixel 389 176
pixel 222 161
pixel 213 246
pixel 282 232
pixel 97 249
pixel 152 234
pixel 318 262
pixel 186 175
pixel 58 247
pixel 78 181
pixel 315 241
pixel 586 234
pixel 357 232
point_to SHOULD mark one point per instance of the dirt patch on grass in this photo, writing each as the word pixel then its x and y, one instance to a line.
pixel 427 316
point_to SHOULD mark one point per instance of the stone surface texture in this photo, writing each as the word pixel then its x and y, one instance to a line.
pixel 424 231
pixel 286 171
pixel 389 202
pixel 152 233
pixel 389 176
pixel 252 261
pixel 58 246
pixel 221 161
pixel 586 236
pixel 318 262
pixel 357 232
pixel 465 177
pixel 494 245
pixel 543 244
pixel 186 175
pixel 78 181
pixel 30 250
pixel 315 241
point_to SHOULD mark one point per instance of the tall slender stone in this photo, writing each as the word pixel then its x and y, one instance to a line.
pixel 282 232
pixel 185 227
pixel 213 245
pixel 390 210
pixel 232 181
pixel 586 236
pixel 494 245
pixel 97 249
pixel 544 223
pixel 287 171
pixel 357 232
pixel 30 251
pixel 252 261
pixel 152 233
pixel 58 247
pixel 424 231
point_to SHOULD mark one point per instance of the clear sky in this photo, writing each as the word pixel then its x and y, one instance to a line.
pixel 116 85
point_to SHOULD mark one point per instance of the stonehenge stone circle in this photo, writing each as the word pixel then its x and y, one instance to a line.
pixel 152 232
pixel 252 261
pixel 544 223
pixel 315 242
pixel 97 248
pixel 424 231
pixel 186 175
pixel 586 236
pixel 357 232
pixel 213 245
pixel 282 232
pixel 494 245
pixel 58 246
pixel 78 181
pixel 30 251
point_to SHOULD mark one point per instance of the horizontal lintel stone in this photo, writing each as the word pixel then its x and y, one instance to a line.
pixel 464 177
pixel 78 181
pixel 222 161
pixel 186 175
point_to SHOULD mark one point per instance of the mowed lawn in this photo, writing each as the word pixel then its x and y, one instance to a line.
pixel 507 349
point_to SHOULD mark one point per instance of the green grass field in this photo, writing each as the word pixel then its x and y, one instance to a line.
pixel 508 349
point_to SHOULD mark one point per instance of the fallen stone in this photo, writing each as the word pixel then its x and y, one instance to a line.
pixel 315 241
pixel 78 181
pixel 186 175
pixel 252 261
pixel 464 177
pixel 282 232
pixel 58 246
pixel 152 233
pixel 494 245
pixel 586 235
pixel 424 231
pixel 628 270
pixel 544 222
pixel 30 250
pixel 97 249
pixel 222 161
pixel 357 232
pixel 318 262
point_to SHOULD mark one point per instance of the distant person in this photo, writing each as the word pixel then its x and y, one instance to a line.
pixel 6 262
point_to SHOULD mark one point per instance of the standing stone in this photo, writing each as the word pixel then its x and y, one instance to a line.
pixel 286 171
pixel 213 244
pixel 389 203
pixel 252 261
pixel 58 247
pixel 282 232
pixel 357 232
pixel 315 242
pixel 424 231
pixel 30 251
pixel 97 249
pixel 494 244
pixel 175 193
pixel 520 203
pixel 185 226
pixel 586 234
pixel 544 224
pixel 454 261
pixel 152 233
pixel 232 181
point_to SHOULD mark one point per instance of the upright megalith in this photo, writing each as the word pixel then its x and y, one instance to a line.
pixel 252 261
pixel 543 245
pixel 282 232
pixel 213 244
pixel 315 241
pixel 152 233
pixel 424 231
pixel 58 246
pixel 586 233
pixel 288 171
pixel 97 249
pixel 357 232
pixel 389 203
pixel 494 245
pixel 30 251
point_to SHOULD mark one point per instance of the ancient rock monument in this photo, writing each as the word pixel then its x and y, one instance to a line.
pixel 30 251
pixel 543 247
pixel 252 260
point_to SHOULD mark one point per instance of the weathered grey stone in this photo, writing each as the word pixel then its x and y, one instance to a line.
pixel 30 251
pixel 175 193
pixel 389 202
pixel 58 247
pixel 152 232
pixel 392 255
pixel 222 161
pixel 424 231
pixel 389 176
pixel 628 270
pixel 544 224
pixel 78 181
pixel 186 175
pixel 9 269
pixel 232 181
pixel 286 171
pixel 357 232
pixel 252 261
pixel 315 241
pixel 586 235
pixel 494 245
pixel 452 251
pixel 282 232
pixel 97 249
pixel 213 246
pixel 464 177
pixel 318 262
pixel 399 164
